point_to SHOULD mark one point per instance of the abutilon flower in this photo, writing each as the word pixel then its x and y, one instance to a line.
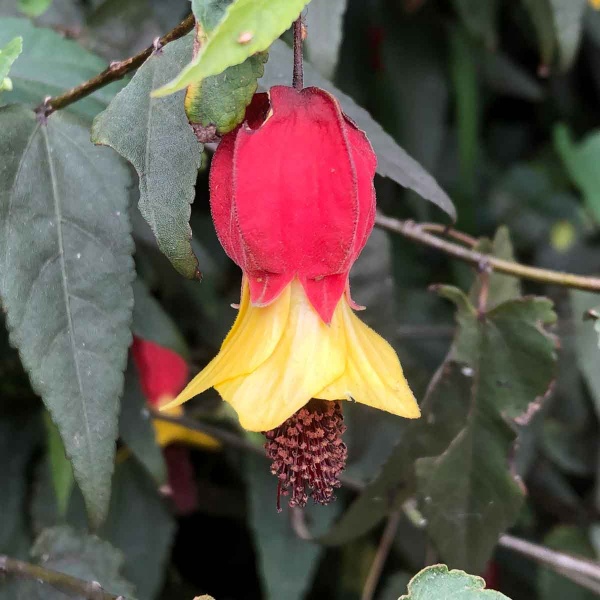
pixel 163 374
pixel 293 202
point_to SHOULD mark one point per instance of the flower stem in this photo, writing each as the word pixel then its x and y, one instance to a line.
pixel 116 70
pixel 298 77
pixel 420 233
pixel 72 586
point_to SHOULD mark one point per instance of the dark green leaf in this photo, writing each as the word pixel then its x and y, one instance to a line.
pixel 324 25
pixel 479 19
pixel 152 323
pixel 34 8
pixel 50 65
pixel 8 54
pixel 581 161
pixel 551 585
pixel 141 526
pixel 542 19
pixel 393 161
pixel 66 287
pixel 60 467
pixel 437 582
pixel 508 78
pixel 275 538
pixel 221 100
pixel 137 429
pixel 155 137
pixel 247 27
pixel 83 556
pixel 209 12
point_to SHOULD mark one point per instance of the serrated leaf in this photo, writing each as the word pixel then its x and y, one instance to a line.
pixel 83 556
pixel 49 65
pixel 392 160
pixel 34 8
pixel 8 54
pixel 137 429
pixel 581 160
pixel 154 135
pixel 247 27
pixel 221 100
pixel 65 261
pixel 324 25
pixel 209 12
pixel 436 582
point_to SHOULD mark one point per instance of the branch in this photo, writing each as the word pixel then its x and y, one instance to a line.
pixel 72 586
pixel 420 233
pixel 116 70
pixel 582 571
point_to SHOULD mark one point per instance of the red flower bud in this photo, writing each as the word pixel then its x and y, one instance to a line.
pixel 292 195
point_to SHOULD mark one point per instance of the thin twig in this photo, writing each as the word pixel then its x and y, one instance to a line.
pixel 116 70
pixel 385 545
pixel 459 236
pixel 581 570
pixel 415 232
pixel 298 76
pixel 72 586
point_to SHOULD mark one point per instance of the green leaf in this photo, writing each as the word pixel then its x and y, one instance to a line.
pixel 221 100
pixel 275 538
pixel 141 525
pixel 551 585
pixel 248 27
pixel 137 430
pixel 83 556
pixel 8 55
pixel 392 160
pixel 581 161
pixel 437 582
pixel 66 266
pixel 209 12
pixel 60 467
pixel 155 137
pixel 480 19
pixel 34 8
pixel 587 342
pixel 324 26
pixel 568 24
pixel 152 323
pixel 49 65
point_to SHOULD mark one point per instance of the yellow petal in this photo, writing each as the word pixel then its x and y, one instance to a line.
pixel 308 356
pixel 595 4
pixel 252 339
pixel 373 374
pixel 169 433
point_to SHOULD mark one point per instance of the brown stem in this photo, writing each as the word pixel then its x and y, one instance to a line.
pixel 72 586
pixel 116 70
pixel 415 232
pixel 298 77
pixel 385 545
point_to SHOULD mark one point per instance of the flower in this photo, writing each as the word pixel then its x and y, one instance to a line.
pixel 594 4
pixel 293 203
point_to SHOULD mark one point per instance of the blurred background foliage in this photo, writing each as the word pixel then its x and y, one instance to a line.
pixel 498 99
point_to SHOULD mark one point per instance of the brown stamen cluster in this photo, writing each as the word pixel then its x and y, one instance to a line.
pixel 308 453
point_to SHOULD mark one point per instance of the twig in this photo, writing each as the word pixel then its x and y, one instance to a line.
pixel 385 544
pixel 298 77
pixel 116 70
pixel 414 231
pixel 72 586
pixel 576 568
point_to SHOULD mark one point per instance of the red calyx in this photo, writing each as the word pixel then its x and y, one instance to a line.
pixel 292 195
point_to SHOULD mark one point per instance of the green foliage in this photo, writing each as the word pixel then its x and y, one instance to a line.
pixel 66 283
pixel 34 8
pixel 48 65
pixel 8 55
pixel 221 100
pixel 247 27
pixel 438 582
pixel 209 12
pixel 153 134
pixel 60 467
